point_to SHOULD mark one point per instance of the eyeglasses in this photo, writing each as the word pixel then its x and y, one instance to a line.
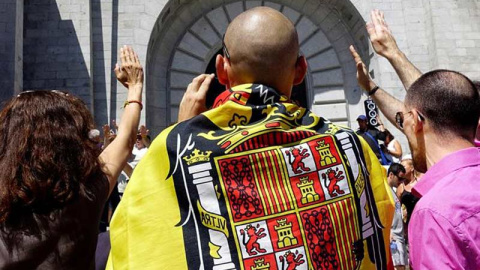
pixel 225 50
pixel 399 118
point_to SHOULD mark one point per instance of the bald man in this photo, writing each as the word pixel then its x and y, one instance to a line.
pixel 256 182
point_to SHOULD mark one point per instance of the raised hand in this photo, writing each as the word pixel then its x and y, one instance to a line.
pixel 130 71
pixel 385 45
pixel 143 131
pixel 106 130
pixel 363 77
pixel 194 100
pixel 115 126
pixel 381 37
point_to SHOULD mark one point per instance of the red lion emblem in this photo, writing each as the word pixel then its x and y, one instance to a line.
pixel 334 177
pixel 252 242
pixel 295 157
pixel 293 260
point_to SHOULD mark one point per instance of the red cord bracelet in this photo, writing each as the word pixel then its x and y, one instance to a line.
pixel 133 101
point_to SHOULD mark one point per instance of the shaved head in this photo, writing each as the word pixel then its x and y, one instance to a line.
pixel 263 46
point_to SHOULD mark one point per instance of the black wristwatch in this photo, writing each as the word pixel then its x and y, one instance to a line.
pixel 374 89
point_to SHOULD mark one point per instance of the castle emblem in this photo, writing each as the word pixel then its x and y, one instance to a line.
pixel 324 151
pixel 285 234
pixel 308 192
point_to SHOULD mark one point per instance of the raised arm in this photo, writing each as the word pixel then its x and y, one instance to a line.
pixel 115 156
pixel 385 102
pixel 385 45
pixel 144 134
pixel 106 135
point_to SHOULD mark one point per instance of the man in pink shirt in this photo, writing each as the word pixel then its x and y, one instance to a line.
pixel 440 118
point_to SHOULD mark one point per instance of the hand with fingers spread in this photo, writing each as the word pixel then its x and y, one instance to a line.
pixel 116 154
pixel 130 71
pixel 381 37
pixel 385 45
pixel 144 135
pixel 106 130
pixel 194 100
pixel 143 131
pixel 363 77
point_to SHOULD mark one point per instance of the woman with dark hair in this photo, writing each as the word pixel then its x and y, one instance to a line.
pixel 54 181
pixel 392 147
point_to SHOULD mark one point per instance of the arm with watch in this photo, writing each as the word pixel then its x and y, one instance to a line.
pixel 385 45
pixel 388 104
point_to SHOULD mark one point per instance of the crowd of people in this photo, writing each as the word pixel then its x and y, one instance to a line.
pixel 255 181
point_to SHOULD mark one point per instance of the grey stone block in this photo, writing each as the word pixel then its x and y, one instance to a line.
pixel 182 61
pixel 293 15
pixel 305 28
pixel 325 60
pixel 234 9
pixel 219 19
pixel 192 44
pixel 204 31
pixel 252 4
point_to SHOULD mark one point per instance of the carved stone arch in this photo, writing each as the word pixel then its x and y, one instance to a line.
pixel 188 34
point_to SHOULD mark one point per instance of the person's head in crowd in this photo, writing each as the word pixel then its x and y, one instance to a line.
pixel 388 136
pixel 396 175
pixel 261 46
pixel 139 144
pixel 407 163
pixel 47 154
pixel 362 122
pixel 94 135
pixel 441 110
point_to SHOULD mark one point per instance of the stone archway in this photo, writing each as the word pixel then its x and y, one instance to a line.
pixel 186 36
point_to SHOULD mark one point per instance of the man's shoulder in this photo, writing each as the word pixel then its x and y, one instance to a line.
pixel 455 196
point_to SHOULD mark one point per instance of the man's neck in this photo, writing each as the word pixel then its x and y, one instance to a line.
pixel 390 184
pixel 281 89
pixel 438 148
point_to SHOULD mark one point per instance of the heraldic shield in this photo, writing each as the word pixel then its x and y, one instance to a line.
pixel 264 184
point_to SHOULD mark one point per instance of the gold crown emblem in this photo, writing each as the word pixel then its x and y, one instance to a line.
pixel 322 145
pixel 282 222
pixel 197 156
pixel 260 262
pixel 304 181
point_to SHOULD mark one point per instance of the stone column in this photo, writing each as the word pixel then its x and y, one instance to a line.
pixel 11 48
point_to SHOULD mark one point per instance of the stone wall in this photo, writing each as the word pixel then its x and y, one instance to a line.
pixel 11 33
pixel 73 44
pixel 434 34
pixel 56 49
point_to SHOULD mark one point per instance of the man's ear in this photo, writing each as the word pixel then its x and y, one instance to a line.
pixel 300 70
pixel 221 64
pixel 417 121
